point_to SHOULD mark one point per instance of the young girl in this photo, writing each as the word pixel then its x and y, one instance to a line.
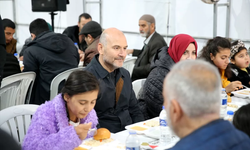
pixel 65 121
pixel 217 51
pixel 240 63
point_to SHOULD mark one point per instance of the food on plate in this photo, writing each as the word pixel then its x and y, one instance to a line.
pixel 232 105
pixel 102 134
pixel 229 99
pixel 144 144
pixel 245 92
pixel 102 137
pixel 80 148
pixel 152 123
pixel 138 128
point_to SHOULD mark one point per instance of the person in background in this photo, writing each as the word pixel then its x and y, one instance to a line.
pixel 73 31
pixel 65 121
pixel 9 30
pixel 116 104
pixel 217 52
pixel 192 102
pixel 91 31
pixel 2 50
pixel 240 63
pixel 241 119
pixel 182 47
pixel 152 43
pixel 47 55
pixel 11 65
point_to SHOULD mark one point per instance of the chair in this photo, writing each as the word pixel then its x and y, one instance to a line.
pixel 58 79
pixel 129 64
pixel 16 89
pixel 16 120
pixel 137 85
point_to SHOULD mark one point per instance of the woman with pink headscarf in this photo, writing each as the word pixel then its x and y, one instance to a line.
pixel 182 47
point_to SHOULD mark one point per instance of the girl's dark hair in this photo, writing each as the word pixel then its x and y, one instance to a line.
pixel 240 48
pixel 241 119
pixel 214 46
pixel 79 82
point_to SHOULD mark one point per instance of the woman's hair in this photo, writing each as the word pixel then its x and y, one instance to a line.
pixel 238 47
pixel 214 46
pixel 241 119
pixel 79 82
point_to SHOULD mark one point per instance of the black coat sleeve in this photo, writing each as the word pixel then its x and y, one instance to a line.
pixel 2 49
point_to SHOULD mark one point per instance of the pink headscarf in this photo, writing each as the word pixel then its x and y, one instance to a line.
pixel 178 46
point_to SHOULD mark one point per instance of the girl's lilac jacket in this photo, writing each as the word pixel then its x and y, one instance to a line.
pixel 50 130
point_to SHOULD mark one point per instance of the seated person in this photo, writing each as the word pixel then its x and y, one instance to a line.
pixel 7 142
pixel 217 52
pixel 192 102
pixel 241 119
pixel 240 63
pixel 182 47
pixel 91 31
pixel 63 122
pixel 116 105
pixel 9 30
pixel 11 65
pixel 73 31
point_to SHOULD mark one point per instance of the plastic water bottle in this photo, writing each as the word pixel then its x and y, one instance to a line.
pixel 76 46
pixel 132 141
pixel 165 137
pixel 223 108
pixel 230 116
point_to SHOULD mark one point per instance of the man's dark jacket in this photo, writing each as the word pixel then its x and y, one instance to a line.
pixel 111 115
pixel 145 56
pixel 48 55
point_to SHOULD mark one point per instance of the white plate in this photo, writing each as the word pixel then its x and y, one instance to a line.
pixel 240 93
pixel 153 132
pixel 140 124
pixel 114 145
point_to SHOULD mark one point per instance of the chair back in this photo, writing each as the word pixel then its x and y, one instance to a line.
pixel 129 64
pixel 15 120
pixel 16 89
pixel 137 85
pixel 58 79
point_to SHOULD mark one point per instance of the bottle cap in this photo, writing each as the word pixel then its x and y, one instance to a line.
pixel 132 132
pixel 163 107
pixel 223 89
pixel 15 54
pixel 230 112
pixel 75 43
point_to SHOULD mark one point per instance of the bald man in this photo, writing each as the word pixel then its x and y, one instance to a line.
pixel 152 43
pixel 116 105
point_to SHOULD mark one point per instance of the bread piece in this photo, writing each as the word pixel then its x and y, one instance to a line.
pixel 102 134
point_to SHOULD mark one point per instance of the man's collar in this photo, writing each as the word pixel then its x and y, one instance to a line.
pixel 148 39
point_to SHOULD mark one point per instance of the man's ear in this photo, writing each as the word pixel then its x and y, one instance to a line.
pixel 33 36
pixel 100 48
pixel 176 111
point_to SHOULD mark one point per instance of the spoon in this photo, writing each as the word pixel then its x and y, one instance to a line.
pixel 92 132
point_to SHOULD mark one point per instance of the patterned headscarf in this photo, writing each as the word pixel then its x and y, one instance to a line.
pixel 235 48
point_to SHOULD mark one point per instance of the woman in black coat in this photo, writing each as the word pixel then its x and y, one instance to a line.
pixel 181 47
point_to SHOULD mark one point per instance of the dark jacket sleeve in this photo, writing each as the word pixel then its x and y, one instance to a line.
pixel 136 52
pixel 30 61
pixel 134 109
pixel 142 71
pixel 2 50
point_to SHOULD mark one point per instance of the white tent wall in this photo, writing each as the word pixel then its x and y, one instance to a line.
pixel 185 16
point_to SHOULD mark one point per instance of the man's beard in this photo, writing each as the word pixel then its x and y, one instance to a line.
pixel 145 34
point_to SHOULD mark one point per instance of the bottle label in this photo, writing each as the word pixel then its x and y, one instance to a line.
pixel 133 148
pixel 224 101
pixel 163 122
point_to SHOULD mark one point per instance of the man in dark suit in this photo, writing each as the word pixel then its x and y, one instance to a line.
pixel 152 43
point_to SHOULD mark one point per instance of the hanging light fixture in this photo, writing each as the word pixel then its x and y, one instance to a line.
pixel 210 1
